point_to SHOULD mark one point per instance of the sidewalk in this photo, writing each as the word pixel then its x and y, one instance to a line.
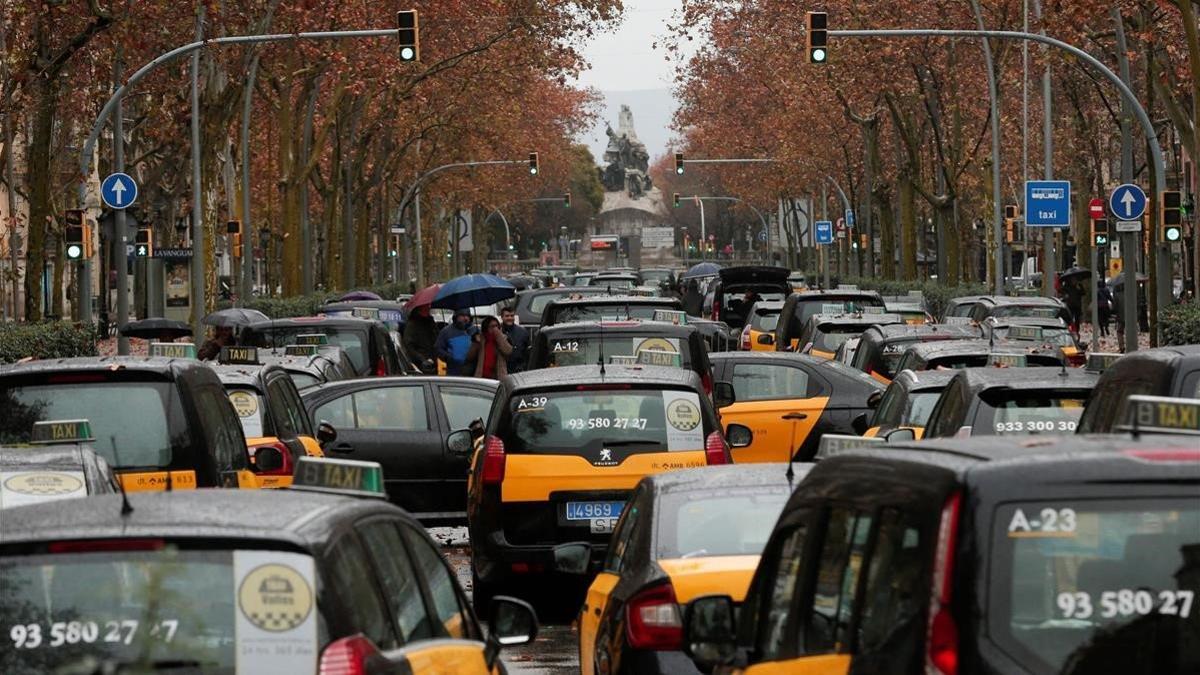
pixel 1109 344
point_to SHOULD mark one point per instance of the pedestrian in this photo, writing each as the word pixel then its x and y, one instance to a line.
pixel 211 349
pixel 693 299
pixel 1104 305
pixel 1119 316
pixel 1073 298
pixel 490 350
pixel 420 339
pixel 454 343
pixel 518 337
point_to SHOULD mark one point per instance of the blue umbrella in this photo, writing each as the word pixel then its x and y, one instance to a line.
pixel 473 290
pixel 704 269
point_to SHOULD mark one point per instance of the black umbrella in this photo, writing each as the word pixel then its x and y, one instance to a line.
pixel 235 317
pixel 156 328
pixel 1075 273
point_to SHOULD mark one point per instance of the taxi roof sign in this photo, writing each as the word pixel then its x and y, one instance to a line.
pixel 833 307
pixel 957 321
pixel 1098 362
pixel 339 476
pixel 1007 360
pixel 658 357
pixel 833 444
pixel 675 316
pixel 1162 414
pixel 1025 333
pixel 301 350
pixel 238 355
pixel 173 350
pixel 312 339
pixel 874 309
pixel 366 312
pixel 52 432
pixel 623 360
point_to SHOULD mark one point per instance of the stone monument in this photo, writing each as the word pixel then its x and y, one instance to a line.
pixel 628 162
pixel 631 202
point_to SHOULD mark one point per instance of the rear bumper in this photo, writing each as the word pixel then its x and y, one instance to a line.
pixel 496 560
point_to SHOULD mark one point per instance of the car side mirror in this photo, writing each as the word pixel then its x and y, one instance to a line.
pixel 874 399
pixel 901 435
pixel 268 459
pixel 723 394
pixel 766 339
pixel 460 443
pixel 326 433
pixel 739 435
pixel 709 631
pixel 859 424
pixel 573 558
pixel 511 622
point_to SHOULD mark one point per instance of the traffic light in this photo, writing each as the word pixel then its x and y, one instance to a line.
pixel 1100 232
pixel 816 37
pixel 1010 225
pixel 1170 215
pixel 679 163
pixel 76 235
pixel 533 164
pixel 233 227
pixel 567 199
pixel 143 243
pixel 408 30
pixel 676 199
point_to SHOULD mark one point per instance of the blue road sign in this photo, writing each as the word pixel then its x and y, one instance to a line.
pixel 1127 202
pixel 849 217
pixel 824 231
pixel 762 235
pixel 1048 203
pixel 118 191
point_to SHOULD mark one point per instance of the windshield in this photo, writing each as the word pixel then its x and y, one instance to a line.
pixel 587 350
pixel 351 341
pixel 888 357
pixel 735 522
pixel 136 433
pixel 140 610
pixel 1008 412
pixel 898 410
pixel 620 421
pixel 609 312
pixel 1085 585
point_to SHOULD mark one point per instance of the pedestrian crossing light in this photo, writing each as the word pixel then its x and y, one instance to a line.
pixel 1100 232
pixel 408 30
pixel 533 164
pixel 676 200
pixel 143 243
pixel 1170 216
pixel 679 163
pixel 816 37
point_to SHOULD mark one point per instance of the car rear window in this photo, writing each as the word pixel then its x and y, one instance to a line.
pixel 828 337
pixel 138 610
pixel 850 305
pixel 585 422
pixel 764 320
pixel 539 302
pixel 352 341
pixel 1037 312
pixel 1083 585
pixel 587 350
pixel 612 282
pixel 702 524
pixel 608 312
pixel 1009 412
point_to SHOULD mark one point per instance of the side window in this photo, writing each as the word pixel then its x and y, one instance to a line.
pixel 400 408
pixel 296 406
pixel 943 421
pixel 221 429
pixel 776 639
pixel 837 581
pixel 464 405
pixel 623 535
pixel 289 416
pixel 339 412
pixel 761 381
pixel 450 619
pixel 399 581
pixel 350 579
pixel 895 595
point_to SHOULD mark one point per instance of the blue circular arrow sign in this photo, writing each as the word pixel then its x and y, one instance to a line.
pixel 1127 202
pixel 118 191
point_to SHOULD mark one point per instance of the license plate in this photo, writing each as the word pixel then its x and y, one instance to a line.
pixel 593 510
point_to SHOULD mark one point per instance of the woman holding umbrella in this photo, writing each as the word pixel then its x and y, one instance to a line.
pixel 420 330
pixel 490 349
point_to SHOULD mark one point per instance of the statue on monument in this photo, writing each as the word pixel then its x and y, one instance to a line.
pixel 628 161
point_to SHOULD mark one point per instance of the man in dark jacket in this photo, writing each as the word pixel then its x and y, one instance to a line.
pixel 454 342
pixel 518 337
pixel 420 336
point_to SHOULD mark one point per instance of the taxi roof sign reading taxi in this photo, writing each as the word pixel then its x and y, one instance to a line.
pixel 61 431
pixel 173 350
pixel 658 357
pixel 301 350
pixel 339 476
pixel 1162 414
pixel 833 444
pixel 238 355
pixel 366 312
pixel 312 339
pixel 1098 362
pixel 1007 360
pixel 675 316
pixel 623 360
pixel 1024 333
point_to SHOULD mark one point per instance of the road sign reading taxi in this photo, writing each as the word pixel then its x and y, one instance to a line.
pixel 1047 203
pixel 118 191
pixel 1128 202
pixel 824 231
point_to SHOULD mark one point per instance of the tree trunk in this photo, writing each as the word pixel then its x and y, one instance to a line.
pixel 44 94
pixel 908 223
pixel 887 231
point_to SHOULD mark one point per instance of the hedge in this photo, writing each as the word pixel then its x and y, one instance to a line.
pixel 52 340
pixel 1180 324
pixel 936 295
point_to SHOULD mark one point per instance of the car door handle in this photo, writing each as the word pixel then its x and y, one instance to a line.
pixel 795 416
pixel 342 448
pixel 596 611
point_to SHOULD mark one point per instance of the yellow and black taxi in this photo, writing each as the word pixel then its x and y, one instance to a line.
pixel 737 289
pixel 824 333
pixel 1165 371
pixel 1049 333
pixel 758 335
pixel 563 450
pixel 307 365
pixel 685 534
pixel 57 463
pixel 160 422
pixel 800 307
pixel 881 347
pixel 908 401
pixel 1007 307
pixel 368 343
pixel 1071 554
pixel 278 431
pixel 1010 401
pixel 298 581
pixel 789 401
pixel 655 343
pixel 977 353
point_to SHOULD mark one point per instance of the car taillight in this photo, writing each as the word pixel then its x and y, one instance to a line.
pixel 652 620
pixel 746 339
pixel 380 367
pixel 348 656
pixel 941 639
pixel 493 461
pixel 286 469
pixel 716 450
pixel 1077 359
pixel 716 311
pixel 1165 455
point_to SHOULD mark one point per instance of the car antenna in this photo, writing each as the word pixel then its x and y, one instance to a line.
pixel 601 349
pixel 126 507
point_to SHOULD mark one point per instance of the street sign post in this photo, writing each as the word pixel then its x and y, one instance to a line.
pixel 118 191
pixel 1128 203
pixel 1047 203
pixel 1129 226
pixel 823 231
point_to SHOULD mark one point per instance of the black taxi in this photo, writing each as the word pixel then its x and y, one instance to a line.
pixel 367 343
pixel 974 354
pixel 881 347
pixel 1049 333
pixel 564 448
pixel 1044 555
pixel 824 333
pixel 308 365
pixel 908 402
pixel 798 308
pixel 57 463
pixel 1012 401
pixel 600 307
pixel 315 581
pixel 1006 306
pixel 1165 371
pixel 160 422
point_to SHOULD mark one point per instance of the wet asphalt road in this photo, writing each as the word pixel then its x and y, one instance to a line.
pixel 555 651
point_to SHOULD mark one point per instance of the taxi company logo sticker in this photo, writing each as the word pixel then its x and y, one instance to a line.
pixel 33 487
pixel 244 403
pixel 275 598
pixel 655 344
pixel 684 429
pixel 683 415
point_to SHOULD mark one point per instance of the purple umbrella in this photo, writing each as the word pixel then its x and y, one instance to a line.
pixel 353 296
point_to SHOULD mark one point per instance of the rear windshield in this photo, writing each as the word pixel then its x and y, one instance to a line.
pixel 764 320
pixel 1034 311
pixel 620 420
pixel 612 282
pixel 735 522
pixel 1023 413
pixel 898 410
pixel 538 302
pixel 352 341
pixel 829 338
pixel 960 361
pixel 1090 586
pixel 140 611
pixel 587 350
pixel 1058 337
pixel 607 312
pixel 142 431
pixel 805 309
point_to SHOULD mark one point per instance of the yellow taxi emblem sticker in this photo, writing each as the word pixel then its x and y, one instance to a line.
pixel 43 484
pixel 275 598
pixel 245 403
pixel 683 414
pixel 657 344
